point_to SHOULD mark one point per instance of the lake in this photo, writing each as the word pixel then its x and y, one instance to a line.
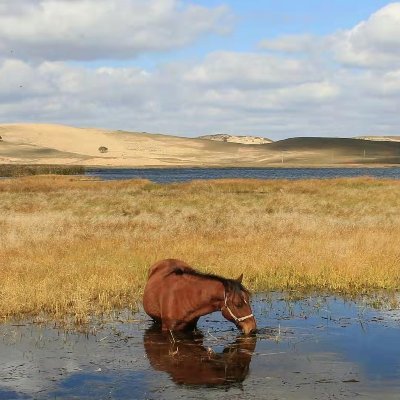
pixel 314 348
pixel 169 175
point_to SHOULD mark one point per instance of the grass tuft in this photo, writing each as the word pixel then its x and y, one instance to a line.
pixel 15 170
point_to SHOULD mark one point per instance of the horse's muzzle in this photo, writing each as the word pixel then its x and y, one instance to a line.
pixel 249 327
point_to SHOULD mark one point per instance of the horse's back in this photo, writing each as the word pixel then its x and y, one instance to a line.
pixel 163 268
pixel 158 281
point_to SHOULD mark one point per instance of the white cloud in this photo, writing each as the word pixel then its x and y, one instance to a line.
pixel 102 29
pixel 293 43
pixel 295 85
pixel 252 70
pixel 164 100
pixel 372 43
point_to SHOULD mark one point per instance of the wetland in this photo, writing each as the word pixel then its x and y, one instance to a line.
pixel 74 256
pixel 310 348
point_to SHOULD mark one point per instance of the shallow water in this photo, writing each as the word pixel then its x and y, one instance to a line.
pixel 168 175
pixel 319 347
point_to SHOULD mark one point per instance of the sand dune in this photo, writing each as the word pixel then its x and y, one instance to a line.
pixel 222 137
pixel 58 144
pixel 81 145
pixel 380 138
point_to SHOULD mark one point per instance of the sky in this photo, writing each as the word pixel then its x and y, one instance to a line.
pixel 269 68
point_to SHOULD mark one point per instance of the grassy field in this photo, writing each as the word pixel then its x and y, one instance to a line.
pixel 72 248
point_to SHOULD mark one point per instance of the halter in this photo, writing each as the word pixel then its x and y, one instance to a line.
pixel 232 314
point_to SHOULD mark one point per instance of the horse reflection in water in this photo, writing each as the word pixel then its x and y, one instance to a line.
pixel 184 357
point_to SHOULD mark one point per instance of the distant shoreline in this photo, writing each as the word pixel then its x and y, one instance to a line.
pixel 289 166
pixel 15 170
pixel 68 169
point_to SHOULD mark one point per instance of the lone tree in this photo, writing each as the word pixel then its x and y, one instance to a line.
pixel 103 149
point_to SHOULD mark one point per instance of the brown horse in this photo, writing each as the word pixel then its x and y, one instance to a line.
pixel 189 362
pixel 176 296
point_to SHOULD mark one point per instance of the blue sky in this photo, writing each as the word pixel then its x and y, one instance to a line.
pixel 272 17
pixel 256 20
pixel 190 67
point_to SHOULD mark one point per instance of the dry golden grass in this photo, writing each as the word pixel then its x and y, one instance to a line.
pixel 72 248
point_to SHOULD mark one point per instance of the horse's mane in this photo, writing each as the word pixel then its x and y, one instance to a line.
pixel 229 284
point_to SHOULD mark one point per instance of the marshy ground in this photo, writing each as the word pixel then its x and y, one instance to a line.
pixel 72 248
pixel 314 348
pixel 17 170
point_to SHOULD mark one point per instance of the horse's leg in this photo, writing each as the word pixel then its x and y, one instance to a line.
pixel 192 325
pixel 168 315
pixel 169 325
pixel 168 322
pixel 174 325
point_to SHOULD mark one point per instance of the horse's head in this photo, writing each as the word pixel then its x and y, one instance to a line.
pixel 236 307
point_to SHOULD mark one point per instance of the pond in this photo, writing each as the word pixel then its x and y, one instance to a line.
pixel 317 347
pixel 169 175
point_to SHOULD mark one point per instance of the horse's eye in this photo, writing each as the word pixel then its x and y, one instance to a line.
pixel 239 305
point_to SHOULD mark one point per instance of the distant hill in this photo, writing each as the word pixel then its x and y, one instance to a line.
pixel 340 150
pixel 380 138
pixel 58 144
pixel 344 145
pixel 223 137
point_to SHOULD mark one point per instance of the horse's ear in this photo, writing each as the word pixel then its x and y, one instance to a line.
pixel 240 278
